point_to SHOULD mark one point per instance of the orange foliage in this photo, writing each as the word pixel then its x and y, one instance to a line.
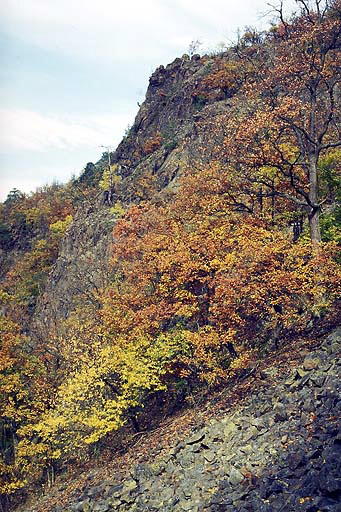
pixel 226 76
pixel 193 264
pixel 152 144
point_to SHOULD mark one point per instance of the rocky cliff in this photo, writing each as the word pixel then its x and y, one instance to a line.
pixel 166 138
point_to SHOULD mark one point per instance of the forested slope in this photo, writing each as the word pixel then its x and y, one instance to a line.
pixel 206 241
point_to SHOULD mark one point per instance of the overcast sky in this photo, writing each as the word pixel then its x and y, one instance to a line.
pixel 72 72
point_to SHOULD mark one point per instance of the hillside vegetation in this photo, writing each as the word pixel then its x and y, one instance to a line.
pixel 223 202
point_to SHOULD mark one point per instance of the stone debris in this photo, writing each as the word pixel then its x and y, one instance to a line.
pixel 281 451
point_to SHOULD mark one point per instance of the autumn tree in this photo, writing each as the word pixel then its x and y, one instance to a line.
pixel 178 265
pixel 21 403
pixel 290 119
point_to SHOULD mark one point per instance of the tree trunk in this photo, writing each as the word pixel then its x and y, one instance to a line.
pixel 314 226
pixel 314 214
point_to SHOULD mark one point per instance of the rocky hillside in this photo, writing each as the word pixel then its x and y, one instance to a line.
pixel 163 141
pixel 279 450
pixel 184 123
pixel 192 261
pixel 169 135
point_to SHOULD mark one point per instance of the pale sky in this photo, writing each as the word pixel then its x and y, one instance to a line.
pixel 72 72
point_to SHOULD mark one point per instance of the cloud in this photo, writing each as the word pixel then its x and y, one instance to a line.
pixel 32 131
pixel 129 30
pixel 88 29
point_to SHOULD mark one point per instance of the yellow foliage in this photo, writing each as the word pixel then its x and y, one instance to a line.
pixel 96 397
pixel 118 209
pixel 57 229
pixel 110 178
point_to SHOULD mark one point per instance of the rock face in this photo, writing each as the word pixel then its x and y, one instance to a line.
pixel 82 266
pixel 164 140
pixel 169 111
pixel 281 451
